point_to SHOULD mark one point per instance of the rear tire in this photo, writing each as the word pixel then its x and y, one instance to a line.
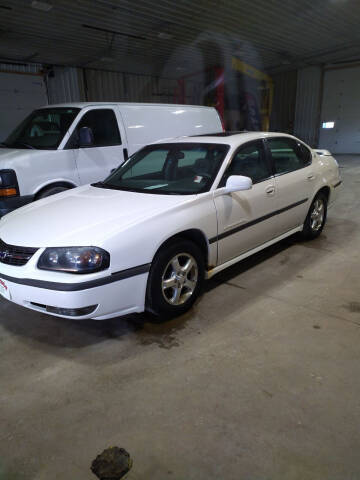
pixel 51 191
pixel 316 217
pixel 175 280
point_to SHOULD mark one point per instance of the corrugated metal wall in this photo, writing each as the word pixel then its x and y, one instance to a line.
pixel 283 110
pixel 64 85
pixel 308 104
pixel 76 84
pixel 125 87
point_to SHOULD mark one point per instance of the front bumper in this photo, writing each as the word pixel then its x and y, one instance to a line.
pixel 7 205
pixel 117 298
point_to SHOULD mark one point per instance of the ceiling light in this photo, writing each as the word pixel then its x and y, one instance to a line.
pixel 40 5
pixel 328 124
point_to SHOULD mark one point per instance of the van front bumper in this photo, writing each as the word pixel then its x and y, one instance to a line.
pixel 117 298
pixel 7 205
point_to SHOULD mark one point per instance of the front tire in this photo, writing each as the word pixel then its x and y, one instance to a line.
pixel 175 280
pixel 316 217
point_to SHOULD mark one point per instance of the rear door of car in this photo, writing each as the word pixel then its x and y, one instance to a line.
pixel 294 180
pixel 245 217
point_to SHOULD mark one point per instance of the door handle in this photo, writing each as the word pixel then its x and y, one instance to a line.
pixel 311 176
pixel 270 190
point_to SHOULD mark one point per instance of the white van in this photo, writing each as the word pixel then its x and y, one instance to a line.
pixel 63 146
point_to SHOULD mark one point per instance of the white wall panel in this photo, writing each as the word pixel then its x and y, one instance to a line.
pixel 19 95
pixel 341 104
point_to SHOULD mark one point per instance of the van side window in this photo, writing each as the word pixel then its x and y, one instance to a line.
pixel 288 155
pixel 104 126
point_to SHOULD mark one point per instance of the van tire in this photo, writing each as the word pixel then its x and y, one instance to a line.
pixel 51 191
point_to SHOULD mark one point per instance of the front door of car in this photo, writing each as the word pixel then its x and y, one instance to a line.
pixel 244 217
pixel 96 161
pixel 294 179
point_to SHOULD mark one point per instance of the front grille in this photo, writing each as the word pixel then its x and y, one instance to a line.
pixel 18 256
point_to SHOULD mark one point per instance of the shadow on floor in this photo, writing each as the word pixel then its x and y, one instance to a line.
pixel 71 334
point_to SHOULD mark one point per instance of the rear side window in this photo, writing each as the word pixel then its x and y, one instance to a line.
pixel 103 125
pixel 288 155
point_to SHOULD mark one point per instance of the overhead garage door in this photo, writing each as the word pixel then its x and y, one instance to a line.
pixel 19 95
pixel 340 113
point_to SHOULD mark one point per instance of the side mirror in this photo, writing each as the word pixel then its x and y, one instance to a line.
pixel 236 183
pixel 86 137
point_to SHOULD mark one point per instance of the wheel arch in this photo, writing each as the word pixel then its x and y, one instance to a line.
pixel 325 190
pixel 194 235
pixel 59 183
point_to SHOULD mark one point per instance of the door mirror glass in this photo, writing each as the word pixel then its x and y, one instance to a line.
pixel 86 137
pixel 236 183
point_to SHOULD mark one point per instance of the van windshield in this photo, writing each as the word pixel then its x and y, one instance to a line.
pixel 42 129
pixel 169 169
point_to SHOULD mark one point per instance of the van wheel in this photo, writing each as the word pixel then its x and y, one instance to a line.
pixel 316 217
pixel 51 191
pixel 175 280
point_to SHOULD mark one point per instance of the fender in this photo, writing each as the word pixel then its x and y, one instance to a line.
pixel 52 182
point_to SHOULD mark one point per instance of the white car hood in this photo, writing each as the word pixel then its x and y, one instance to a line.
pixel 82 216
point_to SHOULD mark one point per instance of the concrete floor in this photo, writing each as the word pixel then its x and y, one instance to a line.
pixel 260 381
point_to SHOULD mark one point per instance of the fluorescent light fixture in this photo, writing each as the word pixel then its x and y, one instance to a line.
pixel 40 5
pixel 328 124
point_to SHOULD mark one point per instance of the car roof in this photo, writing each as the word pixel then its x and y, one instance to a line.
pixel 228 138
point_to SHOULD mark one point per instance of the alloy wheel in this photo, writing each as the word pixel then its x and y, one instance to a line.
pixel 180 279
pixel 317 215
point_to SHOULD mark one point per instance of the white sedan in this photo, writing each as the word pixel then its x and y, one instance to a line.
pixel 173 215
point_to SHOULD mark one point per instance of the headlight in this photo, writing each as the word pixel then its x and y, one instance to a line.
pixel 74 259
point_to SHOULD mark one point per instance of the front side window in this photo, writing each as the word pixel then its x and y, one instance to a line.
pixel 249 161
pixel 171 169
pixel 288 155
pixel 104 127
pixel 43 129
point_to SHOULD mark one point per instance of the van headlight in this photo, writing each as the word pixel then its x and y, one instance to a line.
pixel 74 259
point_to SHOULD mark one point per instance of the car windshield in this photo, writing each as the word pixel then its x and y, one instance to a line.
pixel 170 169
pixel 42 129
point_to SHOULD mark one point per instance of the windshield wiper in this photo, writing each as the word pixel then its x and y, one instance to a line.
pixel 105 185
pixel 26 145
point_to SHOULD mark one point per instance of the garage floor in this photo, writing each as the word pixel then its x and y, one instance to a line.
pixel 259 382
